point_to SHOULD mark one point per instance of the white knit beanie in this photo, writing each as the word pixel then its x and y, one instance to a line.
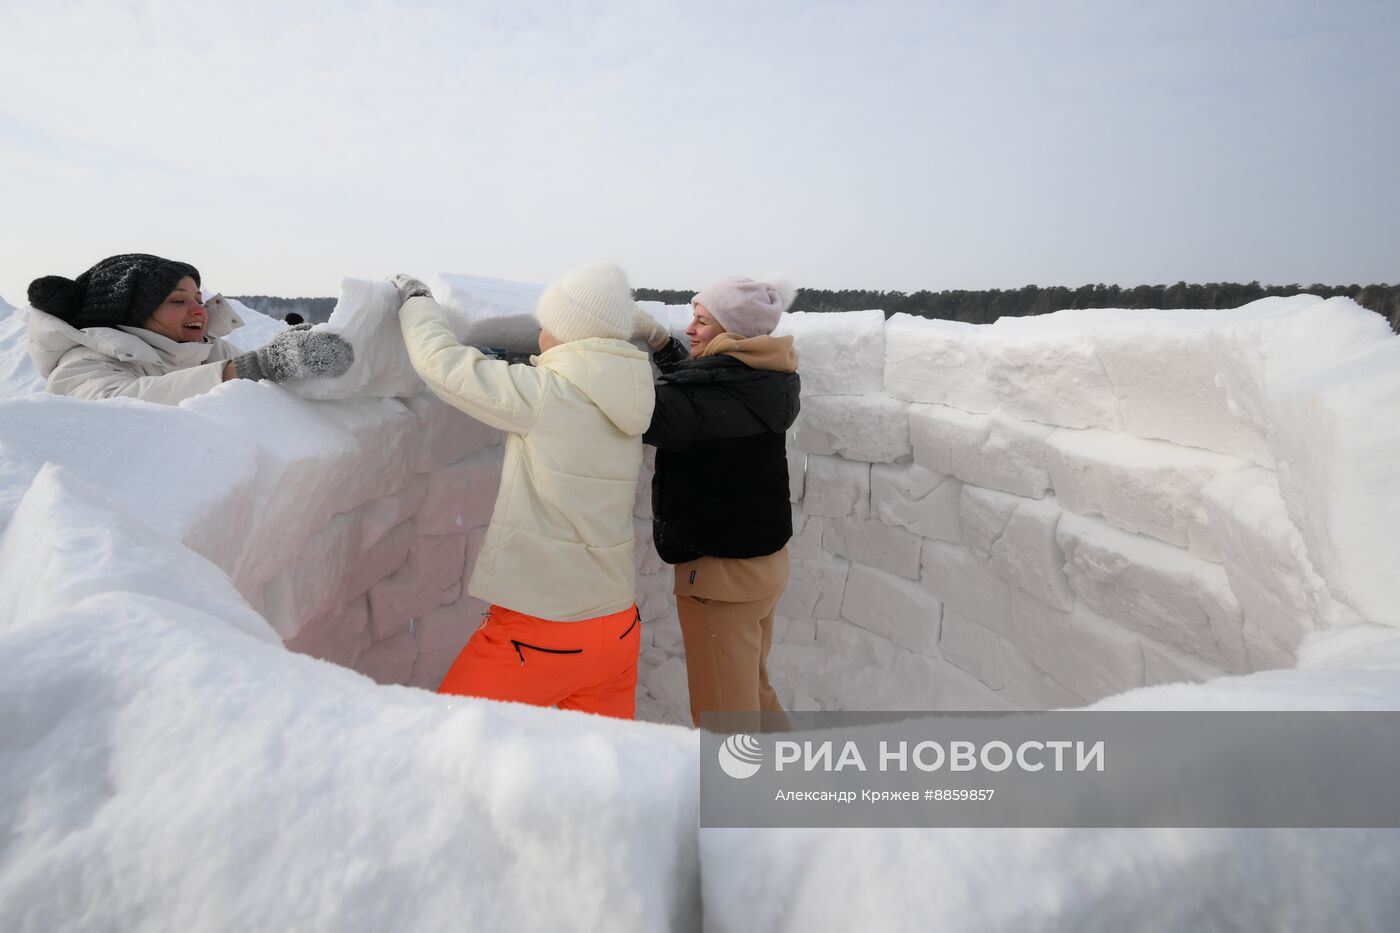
pixel 745 307
pixel 592 301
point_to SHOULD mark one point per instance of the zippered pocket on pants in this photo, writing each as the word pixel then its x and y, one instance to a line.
pixel 520 644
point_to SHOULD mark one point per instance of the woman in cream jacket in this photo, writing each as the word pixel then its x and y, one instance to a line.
pixel 557 564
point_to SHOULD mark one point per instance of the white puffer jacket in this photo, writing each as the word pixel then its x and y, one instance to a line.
pixel 560 543
pixel 130 362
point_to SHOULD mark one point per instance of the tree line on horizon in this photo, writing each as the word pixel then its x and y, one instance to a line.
pixel 981 306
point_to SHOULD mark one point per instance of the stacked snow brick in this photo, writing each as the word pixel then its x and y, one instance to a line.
pixel 1035 513
pixel 1047 511
pixel 366 521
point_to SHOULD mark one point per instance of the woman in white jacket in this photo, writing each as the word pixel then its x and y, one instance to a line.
pixel 557 564
pixel 135 326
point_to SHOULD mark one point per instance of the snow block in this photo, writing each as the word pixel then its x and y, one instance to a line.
pixel 930 360
pixel 641 507
pixel 1155 589
pixel 962 581
pixel 992 451
pixel 655 594
pixel 1095 656
pixel 429 669
pixel 837 488
pixel 445 630
pixel 666 681
pixel 974 649
pixel 893 607
pixel 872 542
pixel 67 541
pixel 873 428
pixel 207 481
pixel 390 661
pixel 853 668
pixel 462 495
pixel 1266 563
pixel 959 690
pixel 316 580
pixel 999 666
pixel 490 312
pixel 18 377
pixel 338 637
pixel 984 514
pixel 917 499
pixel 1030 688
pixel 814 589
pixel 1360 647
pixel 430 576
pixel 838 352
pixel 1163 368
pixel 800 632
pixel 367 315
pixel 806 541
pixel 666 634
pixel 381 559
pixel 1261 346
pixel 1016 536
pixel 445 434
pixel 1046 368
pixel 797 468
pixel 379 517
pixel 1337 445
pixel 646 559
pixel 314 460
pixel 1163 664
pixel 1144 486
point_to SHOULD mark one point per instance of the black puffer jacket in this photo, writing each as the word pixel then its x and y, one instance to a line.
pixel 720 431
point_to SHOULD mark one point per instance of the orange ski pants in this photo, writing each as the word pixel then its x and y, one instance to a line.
pixel 589 665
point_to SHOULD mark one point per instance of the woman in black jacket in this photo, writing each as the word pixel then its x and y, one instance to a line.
pixel 721 511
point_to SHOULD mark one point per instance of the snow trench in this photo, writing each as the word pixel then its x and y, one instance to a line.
pixel 1039 513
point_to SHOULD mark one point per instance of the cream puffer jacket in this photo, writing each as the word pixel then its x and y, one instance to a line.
pixel 130 362
pixel 560 543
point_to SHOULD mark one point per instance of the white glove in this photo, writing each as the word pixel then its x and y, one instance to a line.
pixel 646 328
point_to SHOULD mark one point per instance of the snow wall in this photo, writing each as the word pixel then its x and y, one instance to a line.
pixel 1037 513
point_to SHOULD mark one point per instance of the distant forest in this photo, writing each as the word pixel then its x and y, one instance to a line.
pixel 983 306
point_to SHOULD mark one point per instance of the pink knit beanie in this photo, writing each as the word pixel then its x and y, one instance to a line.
pixel 745 307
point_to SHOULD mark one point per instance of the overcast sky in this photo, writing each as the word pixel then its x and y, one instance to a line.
pixel 281 145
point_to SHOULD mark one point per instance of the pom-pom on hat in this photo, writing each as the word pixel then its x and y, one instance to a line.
pixel 746 307
pixel 123 289
pixel 591 301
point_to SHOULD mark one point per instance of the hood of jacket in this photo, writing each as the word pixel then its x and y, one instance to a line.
pixel 762 352
pixel 51 337
pixel 615 376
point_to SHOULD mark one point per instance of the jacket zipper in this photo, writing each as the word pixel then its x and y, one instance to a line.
pixel 520 644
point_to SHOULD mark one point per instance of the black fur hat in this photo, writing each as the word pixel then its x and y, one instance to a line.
pixel 123 289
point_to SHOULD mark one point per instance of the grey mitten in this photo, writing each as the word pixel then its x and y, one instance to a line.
pixel 297 354
pixel 409 287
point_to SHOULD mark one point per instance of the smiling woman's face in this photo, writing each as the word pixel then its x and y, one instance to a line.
pixel 703 328
pixel 181 316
